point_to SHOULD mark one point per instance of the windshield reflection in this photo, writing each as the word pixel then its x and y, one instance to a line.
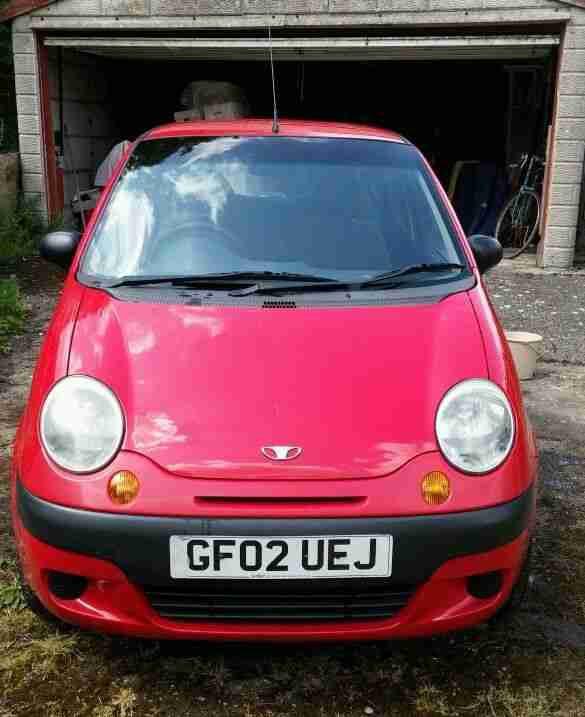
pixel 347 209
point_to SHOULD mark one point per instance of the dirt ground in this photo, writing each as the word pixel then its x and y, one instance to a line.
pixel 533 666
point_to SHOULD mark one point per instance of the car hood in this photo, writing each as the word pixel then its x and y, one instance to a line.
pixel 204 389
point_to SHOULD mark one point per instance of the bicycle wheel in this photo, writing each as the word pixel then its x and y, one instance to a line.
pixel 518 223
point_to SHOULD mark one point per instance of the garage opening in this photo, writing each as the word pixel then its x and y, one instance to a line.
pixel 472 105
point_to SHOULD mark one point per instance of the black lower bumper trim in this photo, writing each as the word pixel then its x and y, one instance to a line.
pixel 139 545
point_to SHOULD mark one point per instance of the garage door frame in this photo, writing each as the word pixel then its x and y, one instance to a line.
pixel 472 46
pixel 323 49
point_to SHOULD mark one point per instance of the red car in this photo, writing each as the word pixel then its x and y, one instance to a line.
pixel 274 401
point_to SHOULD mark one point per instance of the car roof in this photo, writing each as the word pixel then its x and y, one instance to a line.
pixel 264 128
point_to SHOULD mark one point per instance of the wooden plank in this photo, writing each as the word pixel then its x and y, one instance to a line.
pixel 14 8
pixel 546 186
pixel 314 49
pixel 52 175
pixel 393 19
pixel 554 133
pixel 326 43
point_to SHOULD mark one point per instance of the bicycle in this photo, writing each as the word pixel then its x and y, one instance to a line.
pixel 519 219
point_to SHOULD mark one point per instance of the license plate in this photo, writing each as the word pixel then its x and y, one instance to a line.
pixel 331 556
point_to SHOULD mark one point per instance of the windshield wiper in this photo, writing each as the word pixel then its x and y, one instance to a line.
pixel 266 282
pixel 388 276
pixel 287 283
pixel 380 280
pixel 277 275
pixel 229 277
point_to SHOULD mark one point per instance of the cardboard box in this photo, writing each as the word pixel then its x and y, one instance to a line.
pixel 223 110
pixel 188 115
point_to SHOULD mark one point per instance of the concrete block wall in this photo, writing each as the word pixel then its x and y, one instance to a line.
pixel 567 176
pixel 97 16
pixel 27 102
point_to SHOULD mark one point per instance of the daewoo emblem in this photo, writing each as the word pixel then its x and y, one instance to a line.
pixel 281 453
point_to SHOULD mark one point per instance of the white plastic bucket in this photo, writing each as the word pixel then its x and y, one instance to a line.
pixel 524 351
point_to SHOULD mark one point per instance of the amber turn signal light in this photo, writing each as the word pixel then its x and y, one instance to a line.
pixel 435 488
pixel 123 487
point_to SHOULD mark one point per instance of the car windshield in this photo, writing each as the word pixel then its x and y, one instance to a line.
pixel 345 209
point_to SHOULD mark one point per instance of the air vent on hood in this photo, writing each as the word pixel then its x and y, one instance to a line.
pixel 268 304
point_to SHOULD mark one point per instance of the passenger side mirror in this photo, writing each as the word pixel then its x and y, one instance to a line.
pixel 487 251
pixel 59 247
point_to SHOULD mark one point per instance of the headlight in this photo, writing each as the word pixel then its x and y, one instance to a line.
pixel 82 425
pixel 475 426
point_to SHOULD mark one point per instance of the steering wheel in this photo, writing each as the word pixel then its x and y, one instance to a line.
pixel 215 242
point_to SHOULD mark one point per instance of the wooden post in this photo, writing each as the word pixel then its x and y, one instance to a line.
pixel 53 177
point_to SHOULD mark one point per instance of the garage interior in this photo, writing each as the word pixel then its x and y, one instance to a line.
pixel 458 99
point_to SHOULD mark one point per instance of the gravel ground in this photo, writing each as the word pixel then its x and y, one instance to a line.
pixel 40 285
pixel 552 305
pixel 530 666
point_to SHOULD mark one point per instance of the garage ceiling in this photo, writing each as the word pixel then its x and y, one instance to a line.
pixel 357 48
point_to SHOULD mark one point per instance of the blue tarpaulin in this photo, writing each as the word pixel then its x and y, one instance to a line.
pixel 481 191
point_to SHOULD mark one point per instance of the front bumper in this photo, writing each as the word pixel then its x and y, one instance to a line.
pixel 120 554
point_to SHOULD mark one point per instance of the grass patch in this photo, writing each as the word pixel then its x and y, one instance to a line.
pixel 21 229
pixel 31 651
pixel 123 704
pixel 11 311
pixel 431 700
pixel 11 594
pixel 11 597
pixel 37 659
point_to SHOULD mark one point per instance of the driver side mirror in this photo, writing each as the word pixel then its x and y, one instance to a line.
pixel 487 251
pixel 59 247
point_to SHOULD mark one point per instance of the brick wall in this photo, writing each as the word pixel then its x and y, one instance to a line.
pixel 93 16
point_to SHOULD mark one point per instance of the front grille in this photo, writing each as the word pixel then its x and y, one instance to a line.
pixel 279 600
